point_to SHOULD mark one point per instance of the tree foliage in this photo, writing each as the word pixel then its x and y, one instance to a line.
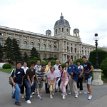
pixel 101 56
pixel 104 67
pixel 12 50
pixel 78 60
pixel 8 49
pixel 16 51
pixel 1 52
pixel 25 57
pixel 34 53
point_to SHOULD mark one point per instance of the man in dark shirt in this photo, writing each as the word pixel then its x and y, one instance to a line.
pixel 88 68
pixel 17 78
pixel 29 82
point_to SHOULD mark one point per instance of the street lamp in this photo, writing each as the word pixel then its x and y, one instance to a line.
pixel 96 44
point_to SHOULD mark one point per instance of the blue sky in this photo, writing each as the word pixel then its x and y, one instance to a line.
pixel 39 15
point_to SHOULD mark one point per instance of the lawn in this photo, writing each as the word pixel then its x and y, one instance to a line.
pixel 6 70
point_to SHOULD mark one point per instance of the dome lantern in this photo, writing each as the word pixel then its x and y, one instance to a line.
pixel 61 27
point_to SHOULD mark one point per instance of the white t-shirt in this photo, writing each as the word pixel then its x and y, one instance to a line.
pixel 24 68
pixel 57 71
pixel 37 68
pixel 80 67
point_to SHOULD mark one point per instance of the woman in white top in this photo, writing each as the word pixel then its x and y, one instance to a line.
pixel 80 79
pixel 24 67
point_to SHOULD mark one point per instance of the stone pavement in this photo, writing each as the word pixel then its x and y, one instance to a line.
pixel 99 97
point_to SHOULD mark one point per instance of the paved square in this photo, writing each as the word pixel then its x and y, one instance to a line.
pixel 99 97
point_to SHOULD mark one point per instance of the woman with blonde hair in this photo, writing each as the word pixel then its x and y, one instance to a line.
pixel 47 70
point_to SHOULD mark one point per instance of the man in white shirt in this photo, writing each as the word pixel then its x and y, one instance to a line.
pixel 57 73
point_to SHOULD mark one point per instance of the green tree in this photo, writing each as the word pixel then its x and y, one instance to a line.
pixel 78 60
pixel 104 67
pixel 101 56
pixel 25 57
pixel 8 49
pixel 16 51
pixel 1 52
pixel 34 53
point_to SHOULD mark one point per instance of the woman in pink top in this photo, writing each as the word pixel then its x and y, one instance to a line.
pixel 64 81
pixel 51 81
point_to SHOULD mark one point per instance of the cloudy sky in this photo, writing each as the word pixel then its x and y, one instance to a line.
pixel 90 16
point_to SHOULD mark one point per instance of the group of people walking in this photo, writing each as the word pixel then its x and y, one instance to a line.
pixel 67 79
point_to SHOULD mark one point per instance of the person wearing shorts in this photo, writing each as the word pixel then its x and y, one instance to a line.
pixel 88 68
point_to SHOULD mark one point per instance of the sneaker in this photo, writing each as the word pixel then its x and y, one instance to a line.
pixel 18 103
pixel 39 97
pixel 63 97
pixel 28 102
pixel 23 96
pixel 69 93
pixel 31 96
pixel 51 96
pixel 76 95
pixel 33 93
pixel 80 92
pixel 89 97
pixel 85 92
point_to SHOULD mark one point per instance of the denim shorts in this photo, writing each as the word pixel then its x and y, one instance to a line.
pixel 89 80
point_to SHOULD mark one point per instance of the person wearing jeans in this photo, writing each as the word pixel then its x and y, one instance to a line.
pixel 29 82
pixel 17 80
pixel 16 93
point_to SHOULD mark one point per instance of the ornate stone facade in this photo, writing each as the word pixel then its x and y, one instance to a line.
pixel 61 45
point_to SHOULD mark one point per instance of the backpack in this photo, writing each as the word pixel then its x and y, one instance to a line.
pixel 10 81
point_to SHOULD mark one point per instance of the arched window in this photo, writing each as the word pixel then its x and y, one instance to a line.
pixel 55 48
pixel 25 44
pixel 67 49
pixel 71 49
pixel 1 34
pixel 62 29
pixel 32 44
pixel 71 57
pixel 44 46
pixel 75 50
pixel 50 47
pixel 67 30
pixel 56 31
pixel 38 46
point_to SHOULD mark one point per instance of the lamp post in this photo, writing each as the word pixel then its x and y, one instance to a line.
pixel 96 44
pixel 97 72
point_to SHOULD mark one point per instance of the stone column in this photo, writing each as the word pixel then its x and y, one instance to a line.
pixel 97 77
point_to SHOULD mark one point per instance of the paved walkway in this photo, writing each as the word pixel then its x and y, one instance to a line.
pixel 99 97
